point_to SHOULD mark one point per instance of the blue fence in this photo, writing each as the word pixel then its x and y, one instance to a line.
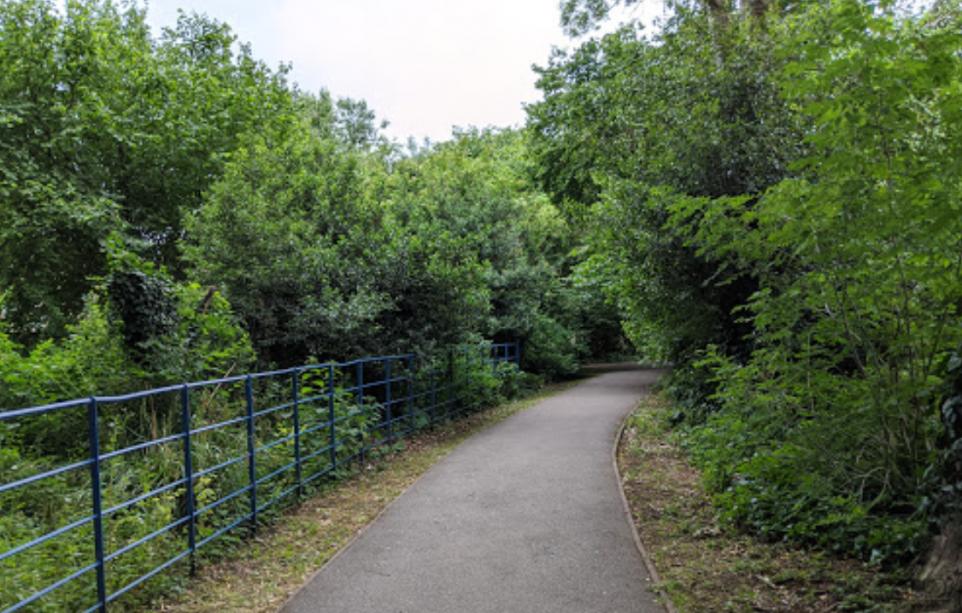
pixel 222 454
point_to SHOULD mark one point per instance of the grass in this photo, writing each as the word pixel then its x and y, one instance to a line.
pixel 262 573
pixel 705 566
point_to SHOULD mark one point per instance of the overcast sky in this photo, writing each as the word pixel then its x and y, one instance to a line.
pixel 424 65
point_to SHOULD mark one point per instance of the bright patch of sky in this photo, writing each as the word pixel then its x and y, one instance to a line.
pixel 424 65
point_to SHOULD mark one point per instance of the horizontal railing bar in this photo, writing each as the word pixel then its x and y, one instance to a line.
pixel 367 409
pixel 388 422
pixel 217 503
pixel 275 373
pixel 378 443
pixel 45 408
pixel 50 473
pixel 379 383
pixel 37 595
pixel 202 384
pixel 280 496
pixel 273 474
pixel 353 456
pixel 222 424
pixel 317 427
pixel 309 399
pixel 138 395
pixel 224 464
pixel 376 358
pixel 177 558
pixel 321 473
pixel 315 453
pixel 146 539
pixel 160 490
pixel 222 530
pixel 46 537
pixel 145 445
pixel 274 409
pixel 276 442
pixel 394 401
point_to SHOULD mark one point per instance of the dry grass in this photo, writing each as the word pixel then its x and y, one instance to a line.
pixel 708 567
pixel 263 573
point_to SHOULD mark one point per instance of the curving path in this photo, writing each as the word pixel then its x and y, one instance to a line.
pixel 523 517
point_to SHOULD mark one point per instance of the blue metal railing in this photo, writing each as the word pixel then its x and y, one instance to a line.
pixel 298 425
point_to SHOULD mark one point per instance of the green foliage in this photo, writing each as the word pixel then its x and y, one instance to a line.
pixel 860 291
pixel 197 338
pixel 291 236
pixel 476 196
pixel 775 208
pixel 175 211
pixel 102 130
pixel 205 163
pixel 627 126
pixel 475 193
pixel 945 500
pixel 328 406
pixel 550 349
pixel 328 250
pixel 90 358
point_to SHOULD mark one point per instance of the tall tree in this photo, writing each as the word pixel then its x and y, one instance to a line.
pixel 103 128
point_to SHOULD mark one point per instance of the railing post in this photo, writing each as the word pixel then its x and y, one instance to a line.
pixel 296 400
pixel 330 415
pixel 188 475
pixel 410 399
pixel 251 451
pixel 359 379
pixel 388 400
pixel 452 384
pixel 94 433
pixel 434 395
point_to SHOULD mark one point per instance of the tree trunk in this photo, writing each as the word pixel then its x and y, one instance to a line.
pixel 942 576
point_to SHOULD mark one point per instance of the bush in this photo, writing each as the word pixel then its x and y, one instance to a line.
pixel 550 350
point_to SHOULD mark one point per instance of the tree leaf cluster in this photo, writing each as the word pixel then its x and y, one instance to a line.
pixel 774 204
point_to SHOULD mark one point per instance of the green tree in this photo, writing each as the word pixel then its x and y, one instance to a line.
pixel 291 235
pixel 478 190
pixel 102 129
pixel 860 275
pixel 627 125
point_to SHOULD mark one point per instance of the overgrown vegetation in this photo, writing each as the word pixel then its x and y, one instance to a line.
pixel 774 193
pixel 175 210
pixel 765 194
pixel 708 565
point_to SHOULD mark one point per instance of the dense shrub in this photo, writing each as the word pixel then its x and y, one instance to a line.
pixel 176 211
pixel 551 349
pixel 774 201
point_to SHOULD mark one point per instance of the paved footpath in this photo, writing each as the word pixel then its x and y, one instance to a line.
pixel 523 517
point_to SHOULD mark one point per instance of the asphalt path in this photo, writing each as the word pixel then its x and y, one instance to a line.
pixel 523 517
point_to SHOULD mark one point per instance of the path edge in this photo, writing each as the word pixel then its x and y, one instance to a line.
pixel 639 545
pixel 354 539
pixel 387 508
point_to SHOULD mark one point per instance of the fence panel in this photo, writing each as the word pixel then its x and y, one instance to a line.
pixel 217 455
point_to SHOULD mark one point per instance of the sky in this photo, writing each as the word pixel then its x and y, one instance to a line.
pixel 424 65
